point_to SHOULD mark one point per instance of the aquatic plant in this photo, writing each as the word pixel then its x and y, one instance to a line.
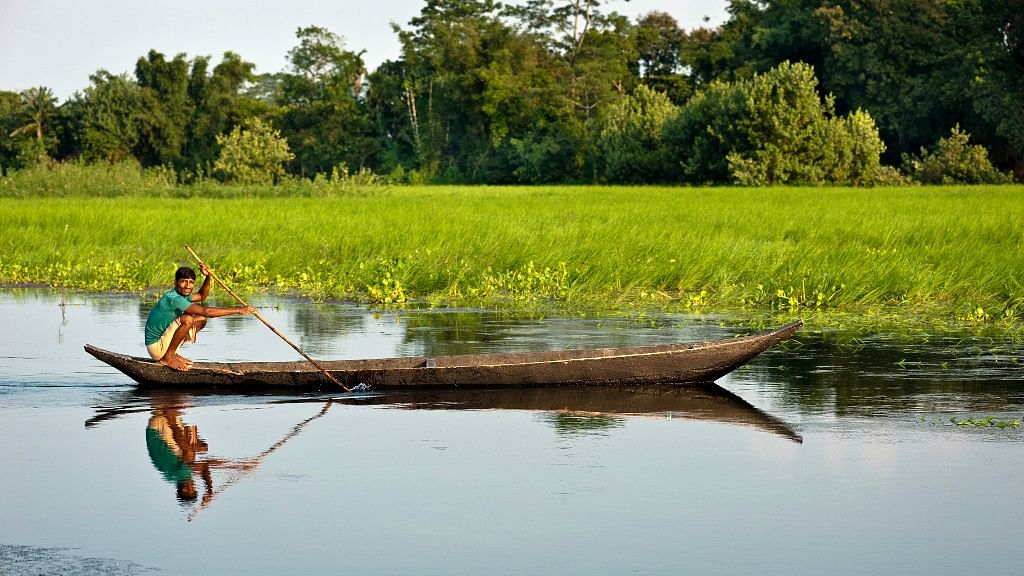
pixel 986 422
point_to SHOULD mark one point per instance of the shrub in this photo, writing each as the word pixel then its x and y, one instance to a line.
pixel 954 160
pixel 253 153
pixel 773 129
pixel 866 148
pixel 630 141
pixel 890 176
pixel 76 178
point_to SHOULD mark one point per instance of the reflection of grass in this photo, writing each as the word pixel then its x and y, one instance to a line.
pixel 873 259
pixel 575 423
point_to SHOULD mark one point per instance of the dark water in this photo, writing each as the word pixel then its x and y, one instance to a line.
pixel 823 456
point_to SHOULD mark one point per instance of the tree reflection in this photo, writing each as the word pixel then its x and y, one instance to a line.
pixel 462 332
pixel 830 374
pixel 577 424
pixel 319 324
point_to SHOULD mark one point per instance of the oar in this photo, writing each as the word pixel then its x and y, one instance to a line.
pixel 264 320
pixel 258 460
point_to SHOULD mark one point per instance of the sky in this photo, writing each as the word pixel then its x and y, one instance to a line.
pixel 59 43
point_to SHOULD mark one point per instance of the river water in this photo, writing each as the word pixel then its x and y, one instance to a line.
pixel 825 455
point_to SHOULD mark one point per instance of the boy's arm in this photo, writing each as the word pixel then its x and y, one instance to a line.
pixel 204 290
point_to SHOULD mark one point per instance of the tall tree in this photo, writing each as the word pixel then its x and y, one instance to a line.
pixel 37 108
pixel 166 108
pixel 109 122
pixel 10 102
pixel 592 56
pixel 387 103
pixel 989 39
pixel 659 40
pixel 322 112
pixel 218 106
pixel 444 50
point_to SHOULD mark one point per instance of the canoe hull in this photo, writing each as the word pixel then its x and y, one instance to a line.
pixel 675 363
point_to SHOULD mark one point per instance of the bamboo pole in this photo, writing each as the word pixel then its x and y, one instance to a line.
pixel 268 324
pixel 258 460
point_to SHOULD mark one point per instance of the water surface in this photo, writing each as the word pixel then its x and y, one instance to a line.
pixel 824 455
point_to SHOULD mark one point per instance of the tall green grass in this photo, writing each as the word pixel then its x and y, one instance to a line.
pixel 943 254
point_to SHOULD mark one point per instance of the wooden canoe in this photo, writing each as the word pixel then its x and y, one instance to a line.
pixel 672 363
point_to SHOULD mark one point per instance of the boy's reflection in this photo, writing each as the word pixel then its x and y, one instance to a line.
pixel 175 449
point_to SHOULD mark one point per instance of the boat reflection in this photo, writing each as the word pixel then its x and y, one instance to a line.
pixel 592 405
pixel 182 456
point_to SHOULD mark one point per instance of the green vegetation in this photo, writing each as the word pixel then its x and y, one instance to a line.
pixel 569 91
pixel 986 422
pixel 773 129
pixel 255 155
pixel 971 422
pixel 954 160
pixel 944 256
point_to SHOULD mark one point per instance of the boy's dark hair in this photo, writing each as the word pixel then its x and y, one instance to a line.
pixel 184 272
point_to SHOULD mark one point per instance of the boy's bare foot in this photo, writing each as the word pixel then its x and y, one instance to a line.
pixel 176 362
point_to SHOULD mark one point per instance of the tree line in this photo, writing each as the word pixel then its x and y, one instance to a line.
pixel 557 91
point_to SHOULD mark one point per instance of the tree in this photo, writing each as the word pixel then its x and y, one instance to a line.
pixel 108 122
pixel 166 108
pixel 322 114
pixel 893 58
pixel 954 160
pixel 253 153
pixel 10 102
pixel 659 40
pixel 772 129
pixel 921 65
pixel 524 104
pixel 218 106
pixel 445 50
pixel 389 110
pixel 989 38
pixel 37 107
pixel 593 53
pixel 631 144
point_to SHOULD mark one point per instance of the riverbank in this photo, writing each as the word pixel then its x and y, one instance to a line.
pixel 936 257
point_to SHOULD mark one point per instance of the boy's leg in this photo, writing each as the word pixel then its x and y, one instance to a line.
pixel 171 358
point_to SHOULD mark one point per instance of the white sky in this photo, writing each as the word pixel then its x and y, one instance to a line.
pixel 59 43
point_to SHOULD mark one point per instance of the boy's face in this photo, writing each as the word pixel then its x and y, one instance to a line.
pixel 185 286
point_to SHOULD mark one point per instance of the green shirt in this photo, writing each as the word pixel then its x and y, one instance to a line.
pixel 168 307
pixel 170 465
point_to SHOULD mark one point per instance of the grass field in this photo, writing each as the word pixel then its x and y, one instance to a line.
pixel 943 256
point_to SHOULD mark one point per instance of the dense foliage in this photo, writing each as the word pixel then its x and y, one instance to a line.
pixel 954 159
pixel 253 153
pixel 773 129
pixel 557 91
